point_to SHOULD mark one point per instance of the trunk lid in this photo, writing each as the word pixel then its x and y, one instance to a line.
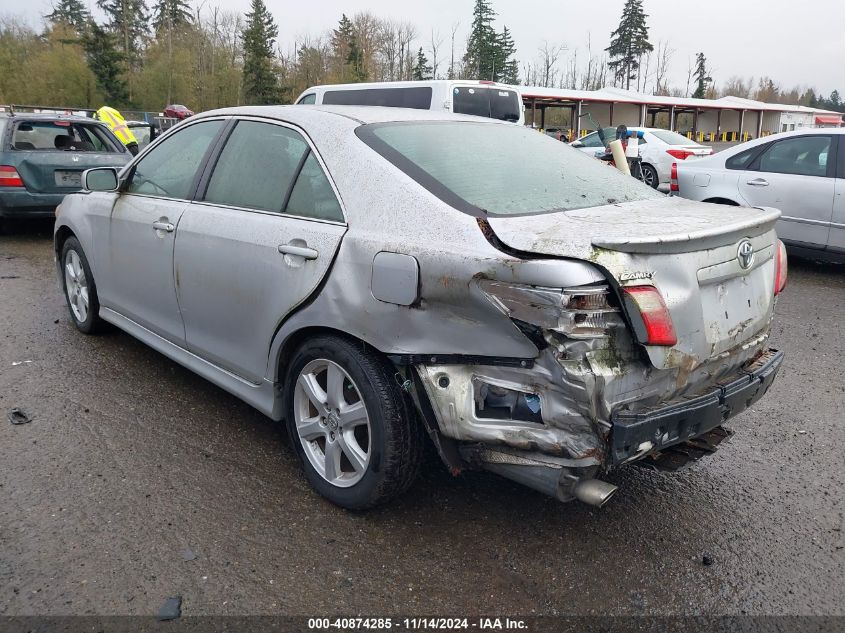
pixel 45 171
pixel 687 250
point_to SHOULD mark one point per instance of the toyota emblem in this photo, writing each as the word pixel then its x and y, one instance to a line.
pixel 745 254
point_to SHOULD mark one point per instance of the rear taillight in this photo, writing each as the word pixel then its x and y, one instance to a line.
pixel 9 177
pixel 780 268
pixel 680 154
pixel 659 328
pixel 673 178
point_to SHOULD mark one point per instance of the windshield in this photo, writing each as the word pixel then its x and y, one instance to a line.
pixel 500 169
pixel 672 138
pixel 62 136
pixel 492 103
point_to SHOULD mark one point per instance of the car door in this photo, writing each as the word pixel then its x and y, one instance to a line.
pixel 137 278
pixel 256 243
pixel 836 238
pixel 795 175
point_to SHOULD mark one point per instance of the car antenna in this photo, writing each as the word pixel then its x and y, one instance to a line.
pixel 12 109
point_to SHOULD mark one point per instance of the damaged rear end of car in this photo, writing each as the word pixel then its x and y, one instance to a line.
pixel 641 359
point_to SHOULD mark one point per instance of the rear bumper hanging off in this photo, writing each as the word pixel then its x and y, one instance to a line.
pixel 637 434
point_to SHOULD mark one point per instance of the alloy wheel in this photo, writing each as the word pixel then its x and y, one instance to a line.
pixel 332 422
pixel 76 286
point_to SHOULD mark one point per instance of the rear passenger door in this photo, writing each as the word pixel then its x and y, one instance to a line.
pixel 795 175
pixel 256 243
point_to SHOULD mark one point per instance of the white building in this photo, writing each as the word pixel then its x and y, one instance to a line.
pixel 726 119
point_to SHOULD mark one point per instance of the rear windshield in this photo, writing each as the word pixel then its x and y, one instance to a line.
pixel 500 169
pixel 672 138
pixel 62 136
pixel 492 103
pixel 418 97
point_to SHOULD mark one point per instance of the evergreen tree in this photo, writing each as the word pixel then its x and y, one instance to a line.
pixel 172 15
pixel 482 46
pixel 628 43
pixel 835 101
pixel 106 61
pixel 507 67
pixel 702 78
pixel 422 70
pixel 347 53
pixel 70 12
pixel 260 83
pixel 128 20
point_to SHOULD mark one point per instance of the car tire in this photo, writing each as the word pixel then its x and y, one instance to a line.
pixel 79 288
pixel 650 176
pixel 358 437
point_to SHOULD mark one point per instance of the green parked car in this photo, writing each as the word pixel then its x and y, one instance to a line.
pixel 42 157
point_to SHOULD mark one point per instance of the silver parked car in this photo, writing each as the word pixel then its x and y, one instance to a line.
pixel 376 276
pixel 802 173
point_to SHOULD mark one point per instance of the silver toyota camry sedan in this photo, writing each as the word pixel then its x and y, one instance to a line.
pixel 380 278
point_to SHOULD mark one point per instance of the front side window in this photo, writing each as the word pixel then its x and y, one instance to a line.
pixel 802 156
pixel 500 169
pixel 493 103
pixel 256 167
pixel 62 136
pixel 170 168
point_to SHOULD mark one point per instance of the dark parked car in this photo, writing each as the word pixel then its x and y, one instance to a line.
pixel 42 157
pixel 177 111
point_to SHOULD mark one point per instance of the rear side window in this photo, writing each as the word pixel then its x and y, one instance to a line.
pixel 257 166
pixel 308 99
pixel 743 159
pixel 169 169
pixel 62 136
pixel 271 168
pixel 312 196
pixel 492 103
pixel 801 156
pixel 418 98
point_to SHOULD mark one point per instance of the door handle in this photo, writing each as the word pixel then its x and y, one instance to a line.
pixel 759 182
pixel 159 225
pixel 301 251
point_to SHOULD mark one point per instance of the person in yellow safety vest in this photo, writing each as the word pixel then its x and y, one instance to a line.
pixel 117 124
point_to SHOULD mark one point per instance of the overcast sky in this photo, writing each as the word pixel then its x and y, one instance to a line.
pixel 793 42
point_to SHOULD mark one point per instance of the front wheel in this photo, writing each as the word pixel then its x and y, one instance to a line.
pixel 79 287
pixel 350 424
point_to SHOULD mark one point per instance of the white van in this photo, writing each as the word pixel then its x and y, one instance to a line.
pixel 481 98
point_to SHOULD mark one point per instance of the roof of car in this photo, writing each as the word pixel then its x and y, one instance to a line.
pixel 48 115
pixel 360 114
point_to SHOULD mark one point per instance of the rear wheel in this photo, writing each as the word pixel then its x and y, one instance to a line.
pixel 650 176
pixel 350 423
pixel 79 287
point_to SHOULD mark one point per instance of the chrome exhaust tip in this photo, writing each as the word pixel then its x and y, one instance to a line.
pixel 594 491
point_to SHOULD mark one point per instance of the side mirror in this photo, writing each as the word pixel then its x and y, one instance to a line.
pixel 576 144
pixel 100 179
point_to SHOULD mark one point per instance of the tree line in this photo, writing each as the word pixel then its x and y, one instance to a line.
pixel 144 54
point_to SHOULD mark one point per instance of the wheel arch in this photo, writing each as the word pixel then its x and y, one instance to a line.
pixel 719 200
